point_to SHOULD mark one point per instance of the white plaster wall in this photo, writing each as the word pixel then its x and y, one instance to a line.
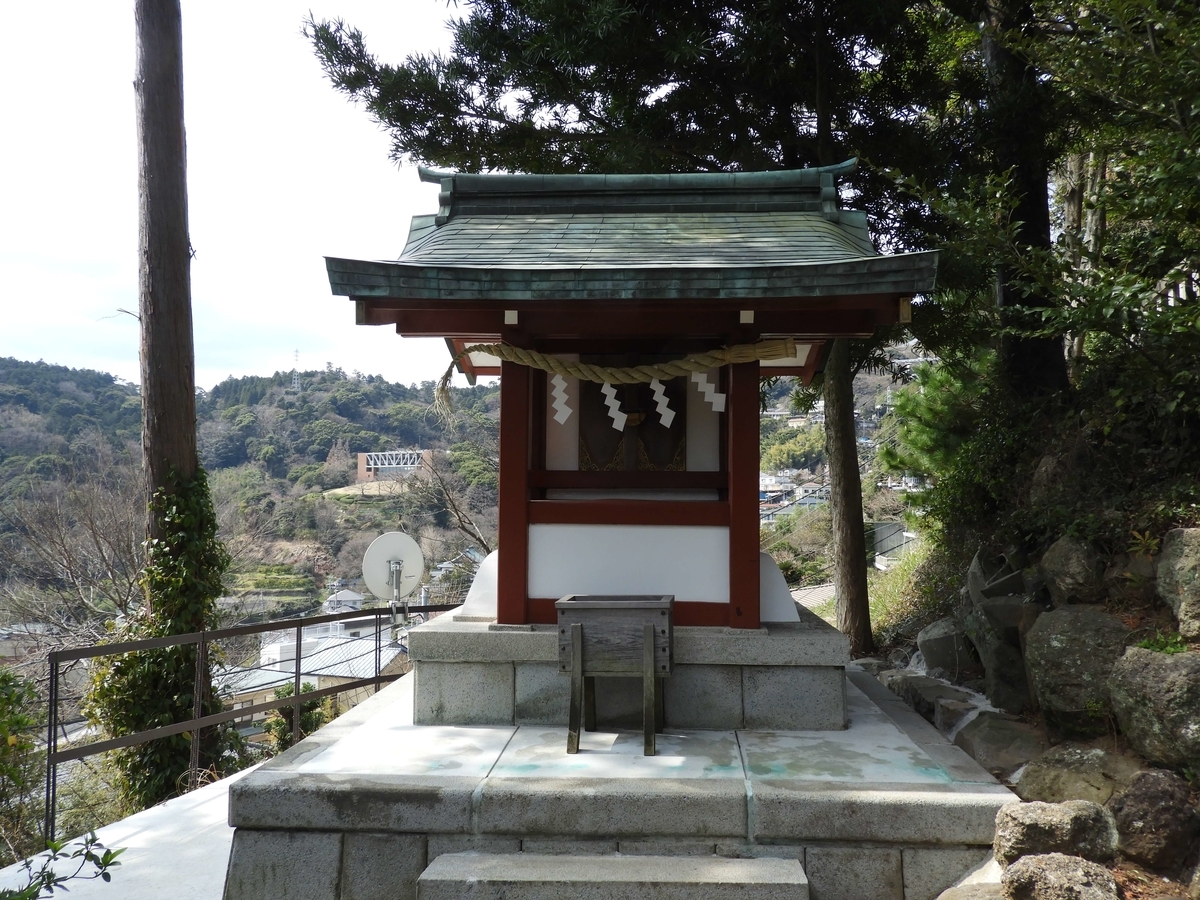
pixel 690 562
pixel 774 599
pixel 703 429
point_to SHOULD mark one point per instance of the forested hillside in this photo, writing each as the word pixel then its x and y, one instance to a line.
pixel 276 457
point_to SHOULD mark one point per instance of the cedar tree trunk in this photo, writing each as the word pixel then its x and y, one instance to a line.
pixel 845 502
pixel 1032 366
pixel 168 368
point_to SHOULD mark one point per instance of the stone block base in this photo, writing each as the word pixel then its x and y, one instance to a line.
pixel 778 678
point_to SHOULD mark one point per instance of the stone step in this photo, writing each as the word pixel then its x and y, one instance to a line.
pixel 529 876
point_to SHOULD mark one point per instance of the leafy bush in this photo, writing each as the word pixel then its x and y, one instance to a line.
pixel 278 726
pixel 22 766
pixel 151 688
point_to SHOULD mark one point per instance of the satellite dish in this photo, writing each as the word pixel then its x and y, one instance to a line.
pixel 393 566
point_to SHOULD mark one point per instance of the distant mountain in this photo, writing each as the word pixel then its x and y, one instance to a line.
pixel 51 416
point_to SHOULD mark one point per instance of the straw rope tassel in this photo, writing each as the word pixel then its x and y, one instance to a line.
pixel 781 348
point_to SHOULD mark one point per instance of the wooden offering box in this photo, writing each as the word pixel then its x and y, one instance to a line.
pixel 618 635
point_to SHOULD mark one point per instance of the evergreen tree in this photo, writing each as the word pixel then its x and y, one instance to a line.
pixel 610 86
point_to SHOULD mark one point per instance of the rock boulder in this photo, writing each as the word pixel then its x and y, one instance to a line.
pixel 920 691
pixel 1156 822
pixel 1069 655
pixel 1000 743
pixel 1073 571
pixel 1076 827
pixel 1054 876
pixel 1156 699
pixel 944 645
pixel 1074 772
pixel 1179 578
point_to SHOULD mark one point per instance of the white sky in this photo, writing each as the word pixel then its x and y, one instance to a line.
pixel 282 170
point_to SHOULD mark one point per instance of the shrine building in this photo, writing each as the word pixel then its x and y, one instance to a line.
pixel 648 487
pixel 631 320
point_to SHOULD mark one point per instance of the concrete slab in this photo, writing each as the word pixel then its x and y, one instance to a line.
pixel 542 694
pixel 178 849
pixel 930 870
pixel 794 698
pixel 541 753
pixel 463 693
pixel 267 865
pixel 534 877
pixel 697 696
pixel 613 807
pixel 810 642
pixel 797 810
pixel 412 750
pixel 854 873
pixel 380 866
pixel 451 640
pixel 872 749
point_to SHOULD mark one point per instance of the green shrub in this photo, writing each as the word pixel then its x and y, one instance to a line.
pixel 147 689
pixel 278 726
pixel 22 766
pixel 1170 643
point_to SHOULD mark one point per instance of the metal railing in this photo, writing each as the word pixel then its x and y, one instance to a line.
pixel 203 640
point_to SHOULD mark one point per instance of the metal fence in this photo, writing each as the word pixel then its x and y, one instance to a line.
pixel 382 618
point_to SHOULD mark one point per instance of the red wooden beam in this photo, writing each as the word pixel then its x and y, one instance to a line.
pixel 483 326
pixel 890 301
pixel 513 575
pixel 742 415
pixel 663 481
pixel 629 512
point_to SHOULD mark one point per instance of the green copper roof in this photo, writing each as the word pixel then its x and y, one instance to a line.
pixel 591 240
pixel 746 234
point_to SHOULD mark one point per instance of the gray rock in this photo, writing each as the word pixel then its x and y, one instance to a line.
pixel 1156 699
pixel 947 714
pixel 871 664
pixel 1069 654
pixel 1179 578
pixel 1046 477
pixel 1076 827
pixel 1000 743
pixel 1074 572
pixel 1054 876
pixel 996 644
pixel 944 645
pixel 920 691
pixel 1074 772
pixel 1157 824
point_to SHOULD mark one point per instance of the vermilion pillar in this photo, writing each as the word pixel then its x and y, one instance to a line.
pixel 742 422
pixel 513 575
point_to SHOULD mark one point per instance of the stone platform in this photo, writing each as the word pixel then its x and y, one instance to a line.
pixel 783 676
pixel 882 810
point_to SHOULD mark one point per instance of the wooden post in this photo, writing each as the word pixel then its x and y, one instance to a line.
pixel 742 413
pixel 577 682
pixel 164 250
pixel 513 575
pixel 649 710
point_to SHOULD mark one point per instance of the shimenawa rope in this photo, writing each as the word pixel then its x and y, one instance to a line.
pixel 782 348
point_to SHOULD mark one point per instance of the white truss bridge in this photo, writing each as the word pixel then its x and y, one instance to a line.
pixel 403 460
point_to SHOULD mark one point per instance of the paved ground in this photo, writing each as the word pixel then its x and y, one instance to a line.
pixel 811 597
pixel 178 849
